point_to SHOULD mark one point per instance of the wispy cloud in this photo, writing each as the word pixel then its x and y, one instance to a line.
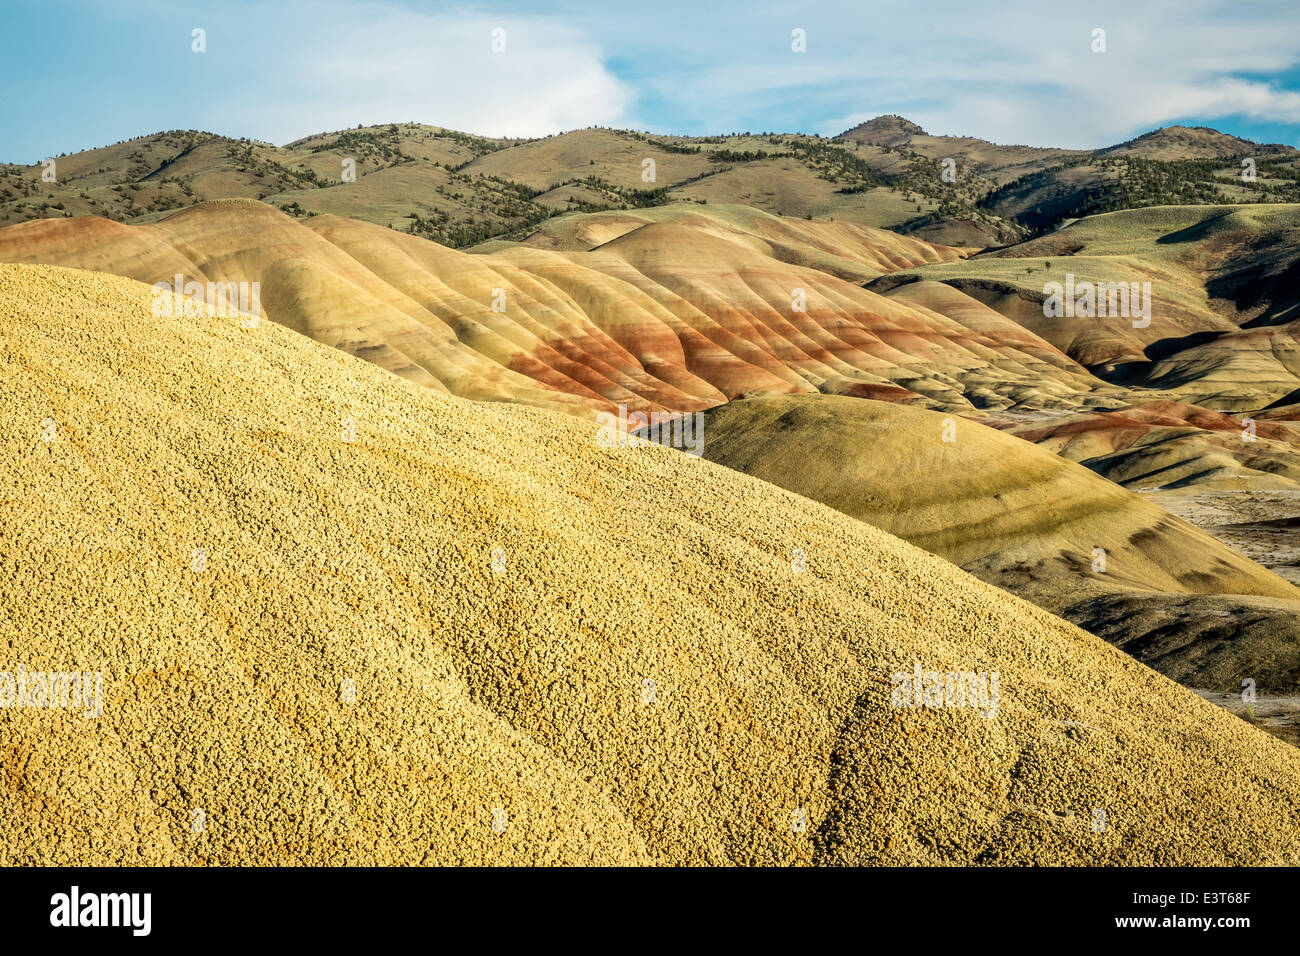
pixel 1019 71
pixel 367 64
pixel 1045 84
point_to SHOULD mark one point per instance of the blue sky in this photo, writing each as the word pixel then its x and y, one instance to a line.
pixel 82 74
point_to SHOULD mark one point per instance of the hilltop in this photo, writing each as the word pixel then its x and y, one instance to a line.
pixel 460 189
pixel 1032 522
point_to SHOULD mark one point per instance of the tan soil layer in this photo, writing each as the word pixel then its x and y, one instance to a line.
pixel 519 697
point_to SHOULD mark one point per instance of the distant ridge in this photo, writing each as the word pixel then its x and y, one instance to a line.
pixel 460 189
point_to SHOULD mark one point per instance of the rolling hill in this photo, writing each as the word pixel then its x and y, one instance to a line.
pixel 460 189
pixel 1208 376
pixel 684 307
pixel 1031 522
pixel 457 188
pixel 678 309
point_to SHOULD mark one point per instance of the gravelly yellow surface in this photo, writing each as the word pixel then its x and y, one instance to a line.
pixel 504 716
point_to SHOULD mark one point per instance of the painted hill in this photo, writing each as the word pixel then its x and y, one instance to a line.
pixel 1029 521
pixel 676 309
pixel 1161 444
pixel 684 307
pixel 1204 385
pixel 640 673
pixel 1221 299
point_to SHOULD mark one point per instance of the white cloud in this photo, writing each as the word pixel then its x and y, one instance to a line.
pixel 1018 71
pixel 1022 71
pixel 347 63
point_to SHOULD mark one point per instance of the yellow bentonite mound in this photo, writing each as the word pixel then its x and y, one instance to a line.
pixel 341 618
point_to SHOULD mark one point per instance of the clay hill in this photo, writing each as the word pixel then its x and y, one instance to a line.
pixel 679 308
pixel 683 307
pixel 1032 522
pixel 603 296
pixel 752 266
pixel 1210 376
pixel 425 629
